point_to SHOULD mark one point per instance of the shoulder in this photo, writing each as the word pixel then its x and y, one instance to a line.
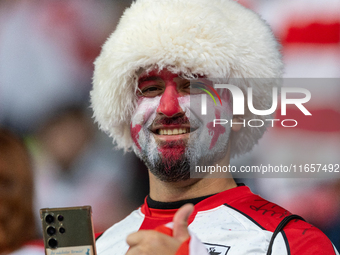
pixel 303 238
pixel 114 238
pixel 299 236
pixel 264 214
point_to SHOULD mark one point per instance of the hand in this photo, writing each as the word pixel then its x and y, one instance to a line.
pixel 151 242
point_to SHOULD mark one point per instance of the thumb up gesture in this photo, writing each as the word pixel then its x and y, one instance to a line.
pixel 152 242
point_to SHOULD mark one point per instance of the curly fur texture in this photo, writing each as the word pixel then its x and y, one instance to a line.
pixel 215 38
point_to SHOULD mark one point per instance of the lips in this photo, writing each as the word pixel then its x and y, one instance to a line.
pixel 172 126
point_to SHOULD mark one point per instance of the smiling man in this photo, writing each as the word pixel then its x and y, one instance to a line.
pixel 166 133
pixel 144 96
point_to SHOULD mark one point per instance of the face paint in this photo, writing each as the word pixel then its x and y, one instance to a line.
pixel 163 108
pixel 215 131
pixel 159 111
pixel 169 105
pixel 141 120
pixel 135 134
pixel 207 144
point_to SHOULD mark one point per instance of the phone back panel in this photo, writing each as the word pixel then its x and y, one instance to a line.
pixel 73 230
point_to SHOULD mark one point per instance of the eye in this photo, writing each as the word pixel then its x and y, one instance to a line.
pixel 195 87
pixel 150 91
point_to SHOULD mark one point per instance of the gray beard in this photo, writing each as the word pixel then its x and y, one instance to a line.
pixel 168 168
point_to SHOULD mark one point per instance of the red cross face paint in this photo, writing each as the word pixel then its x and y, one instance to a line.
pixel 208 143
pixel 168 135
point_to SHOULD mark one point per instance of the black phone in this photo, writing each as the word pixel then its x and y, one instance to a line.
pixel 68 230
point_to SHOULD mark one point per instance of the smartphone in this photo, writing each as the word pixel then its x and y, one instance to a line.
pixel 68 230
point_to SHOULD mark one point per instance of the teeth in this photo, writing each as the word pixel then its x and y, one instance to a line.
pixel 175 131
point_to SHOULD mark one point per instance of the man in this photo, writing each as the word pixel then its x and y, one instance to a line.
pixel 142 96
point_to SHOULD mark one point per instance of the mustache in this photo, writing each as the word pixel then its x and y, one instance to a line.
pixel 179 120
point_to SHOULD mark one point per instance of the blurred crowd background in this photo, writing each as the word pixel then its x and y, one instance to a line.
pixel 47 49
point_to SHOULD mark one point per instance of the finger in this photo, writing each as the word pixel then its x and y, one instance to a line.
pixel 135 238
pixel 133 251
pixel 180 229
pixel 155 243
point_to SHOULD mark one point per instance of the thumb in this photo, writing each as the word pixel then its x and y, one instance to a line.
pixel 180 227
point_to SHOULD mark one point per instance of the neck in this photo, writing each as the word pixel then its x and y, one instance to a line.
pixel 191 188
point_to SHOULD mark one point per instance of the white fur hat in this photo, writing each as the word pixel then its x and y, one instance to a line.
pixel 215 38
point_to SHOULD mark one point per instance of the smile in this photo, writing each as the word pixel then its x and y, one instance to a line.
pixel 173 131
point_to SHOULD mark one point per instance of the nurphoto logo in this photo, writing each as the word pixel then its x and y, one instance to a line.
pixel 239 104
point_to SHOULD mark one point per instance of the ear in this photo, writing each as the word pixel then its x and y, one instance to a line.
pixel 237 123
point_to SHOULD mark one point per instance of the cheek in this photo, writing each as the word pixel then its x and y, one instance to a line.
pixel 216 132
pixel 185 104
pixel 144 114
pixel 135 134
pixel 217 111
pixel 212 136
pixel 145 110
pixel 224 95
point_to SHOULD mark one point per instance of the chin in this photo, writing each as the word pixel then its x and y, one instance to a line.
pixel 172 169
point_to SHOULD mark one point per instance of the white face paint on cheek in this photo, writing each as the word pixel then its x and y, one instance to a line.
pixel 208 141
pixel 142 119
pixel 146 108
pixel 184 103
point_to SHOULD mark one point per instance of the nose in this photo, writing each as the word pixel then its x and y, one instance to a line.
pixel 168 104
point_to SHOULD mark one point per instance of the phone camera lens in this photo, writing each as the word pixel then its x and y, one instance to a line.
pixel 51 230
pixel 60 217
pixel 62 230
pixel 53 243
pixel 49 218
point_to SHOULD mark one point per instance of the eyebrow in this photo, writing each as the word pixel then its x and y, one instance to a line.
pixel 149 78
